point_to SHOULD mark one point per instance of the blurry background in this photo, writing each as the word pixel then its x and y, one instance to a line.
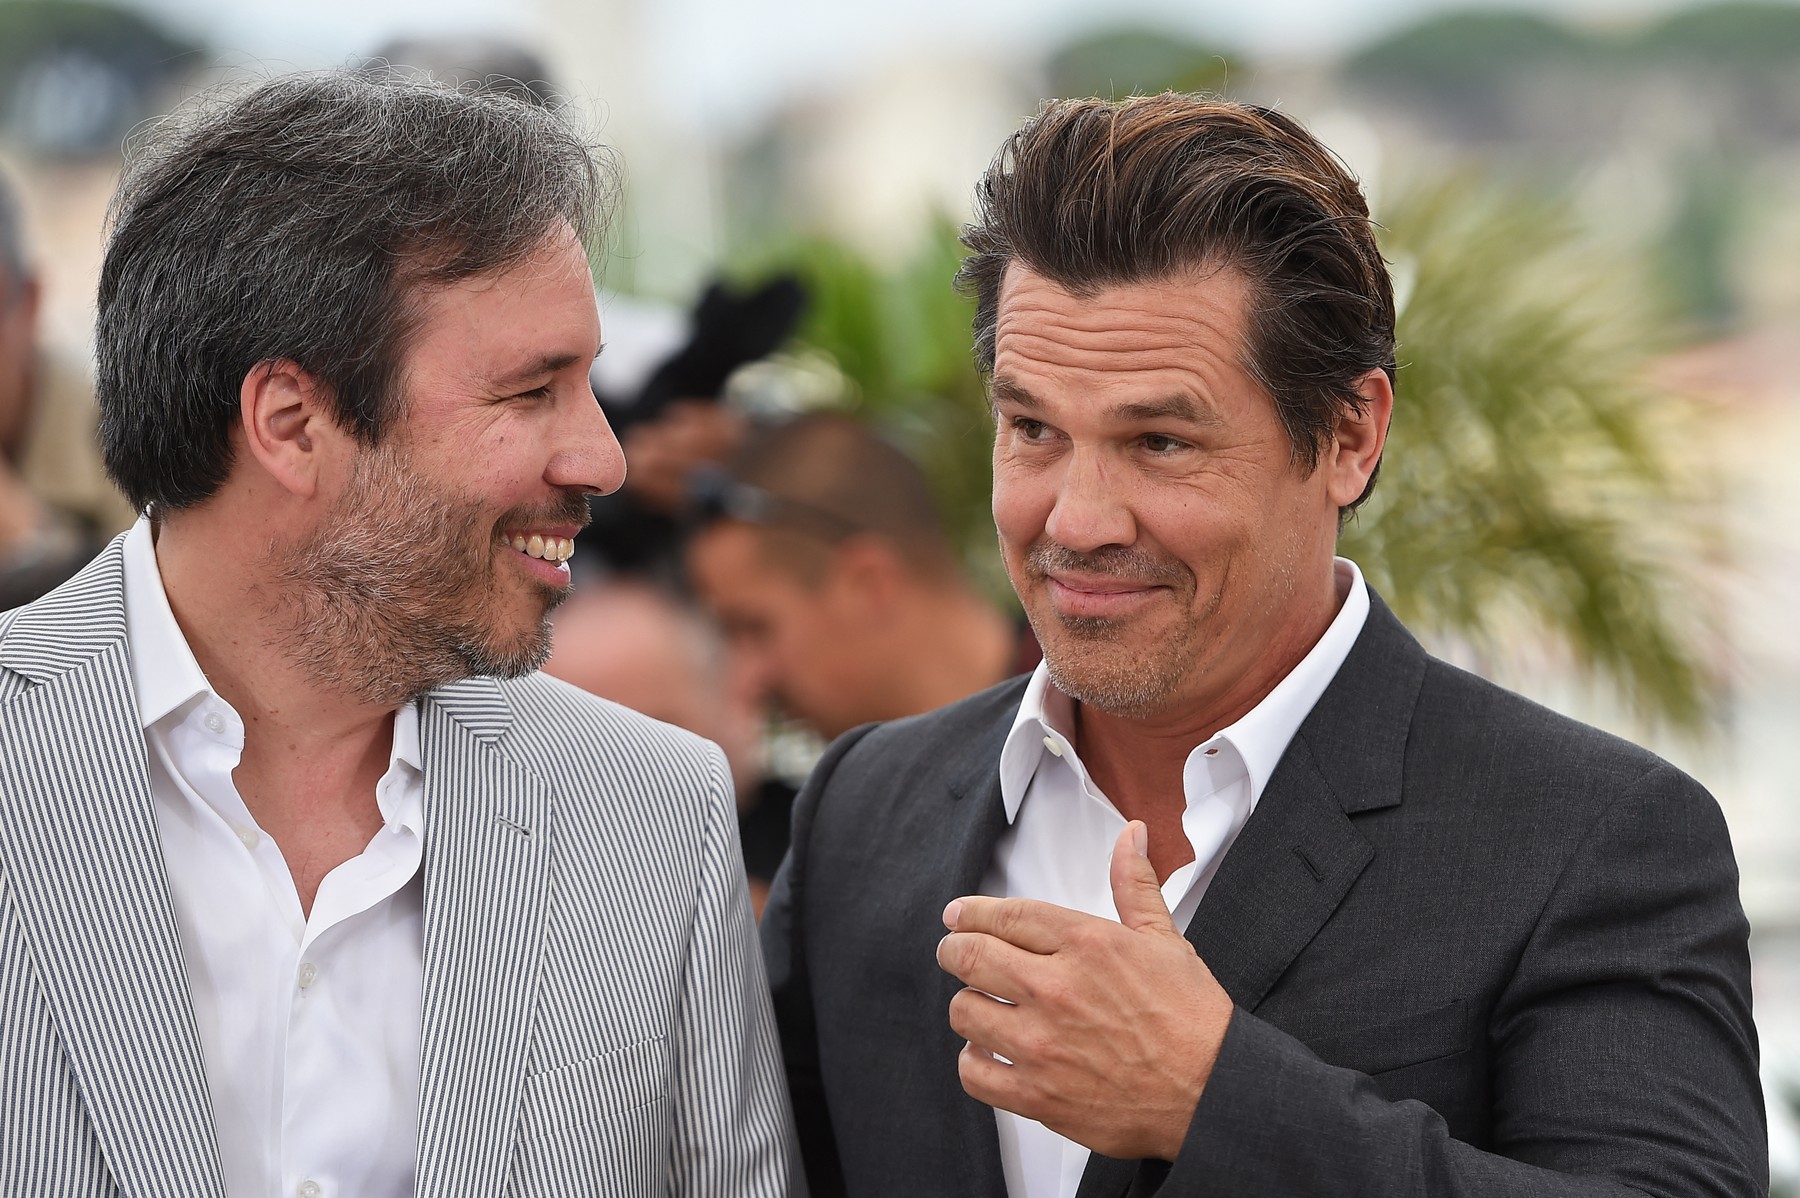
pixel 1592 208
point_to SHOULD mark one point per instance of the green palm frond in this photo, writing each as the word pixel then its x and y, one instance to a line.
pixel 1528 487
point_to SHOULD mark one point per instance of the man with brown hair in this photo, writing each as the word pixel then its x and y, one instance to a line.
pixel 1247 894
pixel 827 564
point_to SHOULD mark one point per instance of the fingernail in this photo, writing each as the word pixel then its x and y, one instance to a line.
pixel 1140 838
pixel 951 912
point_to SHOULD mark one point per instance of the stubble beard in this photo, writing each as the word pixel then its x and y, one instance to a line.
pixel 394 593
pixel 1095 660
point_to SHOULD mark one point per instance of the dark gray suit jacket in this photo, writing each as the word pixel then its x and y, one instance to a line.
pixel 1476 948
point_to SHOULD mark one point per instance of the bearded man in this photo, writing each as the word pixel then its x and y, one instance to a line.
pixel 1246 893
pixel 309 884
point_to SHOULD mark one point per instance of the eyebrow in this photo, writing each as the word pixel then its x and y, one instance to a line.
pixel 1169 407
pixel 537 367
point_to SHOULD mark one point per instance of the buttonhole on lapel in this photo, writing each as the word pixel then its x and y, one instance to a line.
pixel 521 829
pixel 1311 866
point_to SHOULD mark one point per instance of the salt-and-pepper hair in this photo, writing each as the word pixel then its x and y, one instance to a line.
pixel 297 220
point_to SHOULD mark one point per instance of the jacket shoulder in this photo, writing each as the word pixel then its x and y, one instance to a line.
pixel 956 724
pixel 1464 715
pixel 555 721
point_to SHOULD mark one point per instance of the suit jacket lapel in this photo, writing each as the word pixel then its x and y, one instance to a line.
pixel 90 889
pixel 488 826
pixel 1299 853
pixel 971 826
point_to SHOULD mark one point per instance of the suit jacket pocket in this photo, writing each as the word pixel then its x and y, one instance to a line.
pixel 1408 1040
pixel 599 1087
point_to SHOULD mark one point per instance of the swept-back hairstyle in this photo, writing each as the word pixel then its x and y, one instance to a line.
pixel 297 220
pixel 1096 193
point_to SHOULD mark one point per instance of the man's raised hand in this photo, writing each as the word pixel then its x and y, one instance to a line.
pixel 1111 1028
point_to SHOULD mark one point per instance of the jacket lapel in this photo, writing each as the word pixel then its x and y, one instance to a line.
pixel 970 826
pixel 487 851
pixel 90 889
pixel 1299 852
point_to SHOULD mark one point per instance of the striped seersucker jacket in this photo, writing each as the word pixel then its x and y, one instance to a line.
pixel 595 1015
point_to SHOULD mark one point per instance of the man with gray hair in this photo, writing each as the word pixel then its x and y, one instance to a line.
pixel 310 884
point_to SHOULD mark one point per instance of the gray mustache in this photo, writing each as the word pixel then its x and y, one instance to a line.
pixel 1121 562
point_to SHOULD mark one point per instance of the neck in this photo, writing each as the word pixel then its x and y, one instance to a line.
pixel 234 627
pixel 1138 760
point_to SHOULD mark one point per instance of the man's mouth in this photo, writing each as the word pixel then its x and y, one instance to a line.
pixel 545 546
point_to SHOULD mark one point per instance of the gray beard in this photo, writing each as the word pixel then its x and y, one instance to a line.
pixel 385 631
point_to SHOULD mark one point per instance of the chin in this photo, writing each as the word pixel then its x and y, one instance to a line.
pixel 508 656
pixel 1115 666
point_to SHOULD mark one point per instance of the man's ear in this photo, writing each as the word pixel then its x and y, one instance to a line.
pixel 1356 444
pixel 867 573
pixel 288 428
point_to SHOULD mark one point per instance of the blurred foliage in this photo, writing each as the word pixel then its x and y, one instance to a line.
pixel 1464 50
pixel 1706 94
pixel 1735 36
pixel 1695 254
pixel 1459 50
pixel 1137 62
pixel 75 74
pixel 1525 490
pixel 1528 484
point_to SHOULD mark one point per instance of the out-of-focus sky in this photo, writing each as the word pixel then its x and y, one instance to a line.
pixel 728 61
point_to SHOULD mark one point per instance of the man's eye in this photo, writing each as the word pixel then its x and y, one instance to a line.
pixel 535 393
pixel 1030 430
pixel 1161 443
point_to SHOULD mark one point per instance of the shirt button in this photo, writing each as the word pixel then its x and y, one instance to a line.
pixel 250 836
pixel 1054 745
pixel 308 1189
pixel 309 973
pixel 215 723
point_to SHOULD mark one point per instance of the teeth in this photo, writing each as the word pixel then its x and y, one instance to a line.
pixel 549 549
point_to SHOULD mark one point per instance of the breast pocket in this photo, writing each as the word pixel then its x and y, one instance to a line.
pixel 1401 1042
pixel 599 1087
pixel 598 1126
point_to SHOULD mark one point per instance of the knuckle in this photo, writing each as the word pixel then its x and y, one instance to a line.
pixel 961 1012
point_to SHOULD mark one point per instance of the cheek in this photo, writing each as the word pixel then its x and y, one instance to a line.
pixel 1021 506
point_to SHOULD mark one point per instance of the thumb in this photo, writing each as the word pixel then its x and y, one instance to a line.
pixel 1136 893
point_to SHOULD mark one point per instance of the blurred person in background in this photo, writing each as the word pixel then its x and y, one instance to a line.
pixel 640 644
pixel 825 559
pixel 313 884
pixel 57 507
pixel 1246 893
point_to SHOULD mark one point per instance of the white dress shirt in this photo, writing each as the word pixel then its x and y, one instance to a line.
pixel 1061 831
pixel 309 1025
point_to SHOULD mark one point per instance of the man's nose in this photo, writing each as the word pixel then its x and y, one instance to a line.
pixel 587 455
pixel 1091 509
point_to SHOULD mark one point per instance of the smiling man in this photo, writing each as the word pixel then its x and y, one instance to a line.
pixel 1245 893
pixel 311 884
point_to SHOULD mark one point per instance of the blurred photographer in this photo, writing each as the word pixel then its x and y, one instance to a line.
pixel 56 504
